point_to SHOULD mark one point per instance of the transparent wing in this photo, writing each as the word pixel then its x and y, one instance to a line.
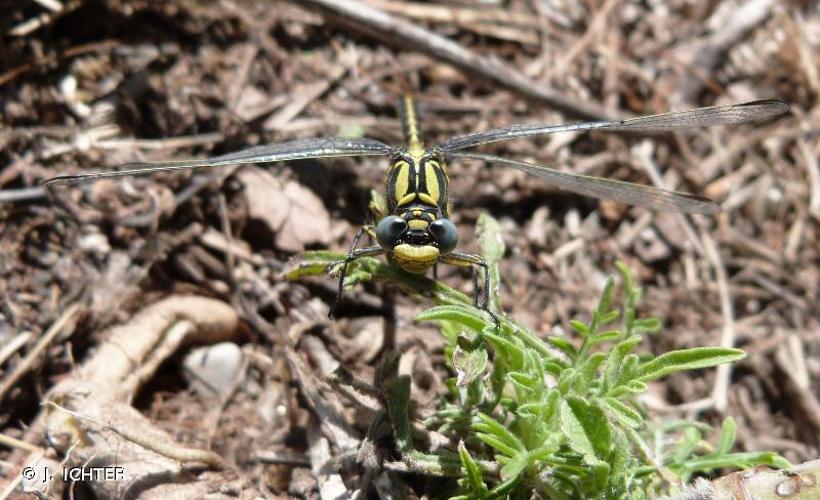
pixel 292 150
pixel 701 117
pixel 597 187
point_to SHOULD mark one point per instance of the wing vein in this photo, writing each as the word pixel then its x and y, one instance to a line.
pixel 597 187
pixel 702 117
pixel 301 149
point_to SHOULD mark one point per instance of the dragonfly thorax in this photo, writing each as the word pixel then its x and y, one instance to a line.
pixel 417 177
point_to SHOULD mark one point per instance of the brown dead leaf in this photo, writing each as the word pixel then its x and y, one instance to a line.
pixel 294 213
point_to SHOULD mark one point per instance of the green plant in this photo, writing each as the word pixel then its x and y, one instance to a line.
pixel 551 416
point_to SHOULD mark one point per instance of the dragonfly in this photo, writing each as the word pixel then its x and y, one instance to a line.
pixel 413 229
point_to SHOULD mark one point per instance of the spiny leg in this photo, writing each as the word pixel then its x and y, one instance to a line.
pixel 353 254
pixel 359 233
pixel 474 274
pixel 459 258
pixel 486 285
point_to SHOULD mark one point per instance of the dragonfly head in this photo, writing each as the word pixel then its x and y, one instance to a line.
pixel 415 242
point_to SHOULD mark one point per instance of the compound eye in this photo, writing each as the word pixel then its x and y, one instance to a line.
pixel 445 234
pixel 389 230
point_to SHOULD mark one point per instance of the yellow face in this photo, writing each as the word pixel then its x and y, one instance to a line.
pixel 416 250
pixel 415 259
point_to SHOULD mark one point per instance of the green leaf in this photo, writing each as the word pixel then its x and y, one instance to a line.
pixel 450 411
pixel 492 248
pixel 466 316
pixel 605 303
pixel 580 327
pixel 544 410
pixel 508 348
pixel 606 318
pixel 567 380
pixel 554 369
pixel 497 444
pixel 500 437
pixel 474 477
pixel 590 367
pixel 626 275
pixel 451 332
pixel 629 366
pixel 535 367
pixel 625 415
pixel 600 476
pixel 498 380
pixel 531 409
pixel 687 359
pixel 551 445
pixel 398 398
pixel 489 239
pixel 515 466
pixel 563 345
pixel 469 364
pixel 524 380
pixel 503 489
pixel 638 442
pixel 636 387
pixel 614 362
pixel 737 460
pixel 674 425
pixel 728 432
pixel 312 264
pixel 607 336
pixel 619 464
pixel 686 445
pixel 445 464
pixel 586 427
pixel 648 325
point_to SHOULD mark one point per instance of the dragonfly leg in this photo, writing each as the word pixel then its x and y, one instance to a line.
pixel 356 238
pixel 353 254
pixel 475 287
pixel 476 262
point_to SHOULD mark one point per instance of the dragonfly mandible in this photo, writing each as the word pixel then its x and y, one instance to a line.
pixel 413 229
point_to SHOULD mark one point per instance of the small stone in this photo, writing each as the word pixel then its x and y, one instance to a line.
pixel 213 370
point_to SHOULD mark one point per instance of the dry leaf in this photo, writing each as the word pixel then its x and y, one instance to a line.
pixel 294 213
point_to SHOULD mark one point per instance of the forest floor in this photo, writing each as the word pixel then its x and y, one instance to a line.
pixel 167 262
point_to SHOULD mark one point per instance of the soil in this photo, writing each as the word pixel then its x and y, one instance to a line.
pixel 103 83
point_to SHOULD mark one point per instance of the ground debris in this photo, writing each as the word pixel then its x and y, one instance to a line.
pixel 184 261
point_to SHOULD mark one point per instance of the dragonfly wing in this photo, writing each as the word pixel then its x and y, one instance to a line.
pixel 733 114
pixel 597 187
pixel 292 150
pixel 702 117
